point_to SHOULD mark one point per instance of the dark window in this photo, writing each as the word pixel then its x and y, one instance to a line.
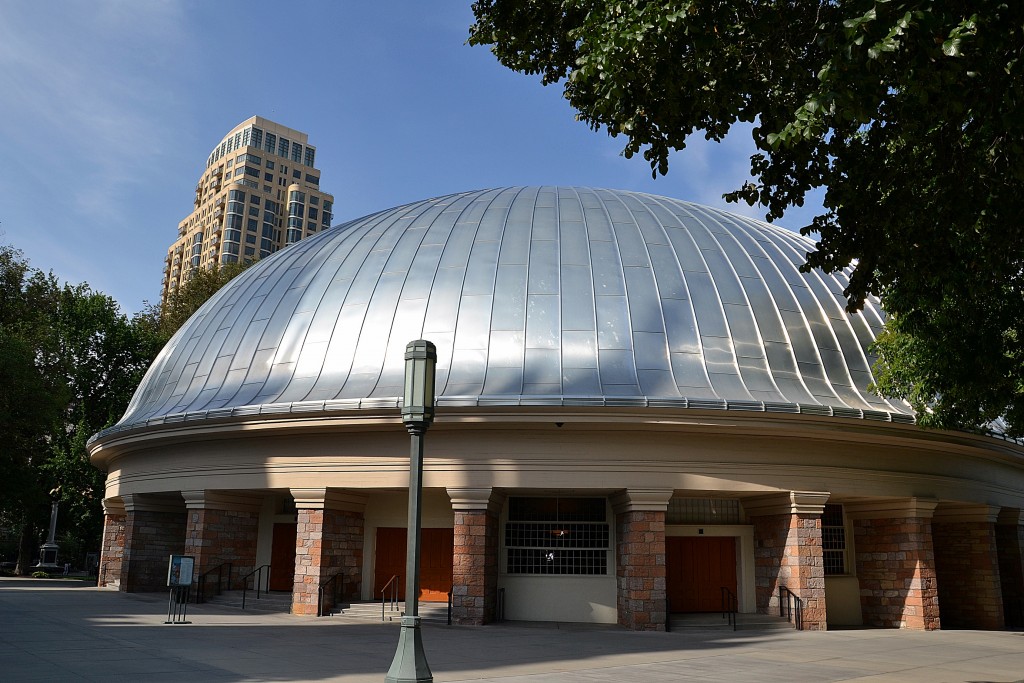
pixel 271 142
pixel 270 165
pixel 556 536
pixel 269 177
pixel 312 180
pixel 833 540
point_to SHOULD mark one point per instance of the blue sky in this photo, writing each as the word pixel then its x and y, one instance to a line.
pixel 109 108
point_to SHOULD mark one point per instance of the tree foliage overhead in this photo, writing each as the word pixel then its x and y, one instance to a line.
pixel 908 114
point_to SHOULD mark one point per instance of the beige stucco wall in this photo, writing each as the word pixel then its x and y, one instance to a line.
pixel 744 534
pixel 734 454
pixel 842 594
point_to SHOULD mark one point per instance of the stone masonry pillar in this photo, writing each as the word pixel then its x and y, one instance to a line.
pixel 112 548
pixel 787 552
pixel 221 527
pixel 1010 545
pixel 895 563
pixel 154 530
pixel 967 566
pixel 328 544
pixel 475 555
pixel 640 558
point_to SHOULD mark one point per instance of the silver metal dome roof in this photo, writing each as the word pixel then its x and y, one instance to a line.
pixel 533 296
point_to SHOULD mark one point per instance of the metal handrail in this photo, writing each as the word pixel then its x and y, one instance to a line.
pixel 451 591
pixel 791 607
pixel 668 614
pixel 259 578
pixel 201 581
pixel 320 602
pixel 730 606
pixel 393 584
pixel 500 607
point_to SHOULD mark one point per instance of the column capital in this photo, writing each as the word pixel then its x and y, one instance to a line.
pixel 641 500
pixel 221 500
pixel 787 503
pixel 966 512
pixel 916 508
pixel 328 499
pixel 1010 517
pixel 479 498
pixel 113 506
pixel 149 502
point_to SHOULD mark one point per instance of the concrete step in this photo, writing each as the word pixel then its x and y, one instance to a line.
pixel 430 612
pixel 276 602
pixel 715 621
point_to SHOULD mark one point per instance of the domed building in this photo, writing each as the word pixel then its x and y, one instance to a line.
pixel 643 407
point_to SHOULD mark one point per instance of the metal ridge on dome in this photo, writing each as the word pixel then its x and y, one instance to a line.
pixel 533 296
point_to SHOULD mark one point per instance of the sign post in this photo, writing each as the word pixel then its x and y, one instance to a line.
pixel 180 569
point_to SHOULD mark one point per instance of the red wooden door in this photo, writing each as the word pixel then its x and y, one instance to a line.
pixel 435 562
pixel 282 557
pixel 697 568
pixel 436 547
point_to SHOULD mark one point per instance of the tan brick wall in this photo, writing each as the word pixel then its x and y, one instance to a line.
pixel 895 564
pixel 112 549
pixel 327 542
pixel 1010 544
pixel 475 567
pixel 640 570
pixel 149 539
pixel 967 569
pixel 214 537
pixel 787 552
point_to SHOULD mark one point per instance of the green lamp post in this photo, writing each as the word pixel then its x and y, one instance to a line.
pixel 410 662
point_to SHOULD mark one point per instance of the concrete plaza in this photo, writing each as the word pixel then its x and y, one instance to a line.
pixel 69 631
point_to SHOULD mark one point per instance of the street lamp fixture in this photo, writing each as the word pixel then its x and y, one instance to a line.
pixel 410 662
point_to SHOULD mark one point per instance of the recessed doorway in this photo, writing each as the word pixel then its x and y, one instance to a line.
pixel 436 547
pixel 697 568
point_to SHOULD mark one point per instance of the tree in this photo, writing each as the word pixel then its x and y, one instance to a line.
pixel 69 363
pixel 186 300
pixel 909 114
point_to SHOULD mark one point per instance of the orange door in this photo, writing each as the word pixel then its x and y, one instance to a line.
pixel 435 562
pixel 698 567
pixel 282 557
pixel 389 561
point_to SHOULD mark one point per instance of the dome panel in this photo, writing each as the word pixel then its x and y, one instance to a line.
pixel 532 295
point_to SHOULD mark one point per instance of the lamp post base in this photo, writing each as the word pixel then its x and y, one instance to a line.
pixel 410 662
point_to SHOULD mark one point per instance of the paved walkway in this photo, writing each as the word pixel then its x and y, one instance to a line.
pixel 64 631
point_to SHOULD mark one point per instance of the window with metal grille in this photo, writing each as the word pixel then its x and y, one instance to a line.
pixel 703 511
pixel 833 540
pixel 557 536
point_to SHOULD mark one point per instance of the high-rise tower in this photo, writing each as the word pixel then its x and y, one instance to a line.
pixel 260 191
